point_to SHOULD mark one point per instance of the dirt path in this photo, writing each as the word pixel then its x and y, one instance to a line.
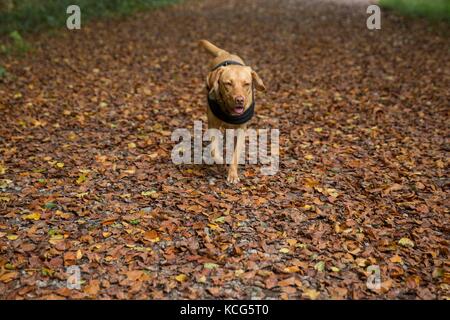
pixel 87 177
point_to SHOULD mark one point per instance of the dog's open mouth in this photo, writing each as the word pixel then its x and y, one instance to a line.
pixel 238 109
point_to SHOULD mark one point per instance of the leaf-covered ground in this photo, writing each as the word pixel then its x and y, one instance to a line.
pixel 87 178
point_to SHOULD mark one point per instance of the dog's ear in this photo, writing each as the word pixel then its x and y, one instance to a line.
pixel 259 84
pixel 212 81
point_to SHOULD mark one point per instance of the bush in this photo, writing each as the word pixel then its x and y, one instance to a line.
pixel 35 15
pixel 434 9
pixel 16 44
pixel 2 72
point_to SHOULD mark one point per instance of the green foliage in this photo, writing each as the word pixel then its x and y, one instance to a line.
pixel 16 44
pixel 35 15
pixel 434 9
pixel 19 44
pixel 2 72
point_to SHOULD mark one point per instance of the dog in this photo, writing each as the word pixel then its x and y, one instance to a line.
pixel 230 88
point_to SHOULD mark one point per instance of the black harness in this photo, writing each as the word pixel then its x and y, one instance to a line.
pixel 222 115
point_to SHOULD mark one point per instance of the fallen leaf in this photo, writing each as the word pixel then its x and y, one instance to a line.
pixel 406 242
pixel 311 294
pixel 181 278
pixel 210 265
pixel 33 216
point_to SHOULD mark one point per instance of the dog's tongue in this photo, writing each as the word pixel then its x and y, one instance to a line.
pixel 238 110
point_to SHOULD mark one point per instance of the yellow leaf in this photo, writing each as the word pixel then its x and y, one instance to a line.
pixel 2 169
pixel 154 155
pixel 33 216
pixel 214 227
pixel 335 269
pixel 4 183
pixel 132 145
pixel 406 242
pixel 79 255
pixel 72 136
pixel 396 259
pixel 291 242
pixel 238 272
pixel 152 193
pixel 181 278
pixel 291 269
pixel 210 265
pixel 311 294
pixel 106 234
pixel 311 183
pixel 130 171
pixel 7 277
pixel 60 165
pixel 333 192
pixel 301 245
pixel 361 262
pixel 12 237
pixel 55 238
pixel 284 250
pixel 320 266
pixel 81 179
pixel 337 228
pixel 318 130
pixel 63 215
pixel 309 157
pixel 81 195
pixel 4 199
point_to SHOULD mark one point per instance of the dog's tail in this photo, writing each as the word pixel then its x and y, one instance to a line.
pixel 215 51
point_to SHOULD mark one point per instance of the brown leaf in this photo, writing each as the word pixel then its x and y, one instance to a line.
pixel 92 288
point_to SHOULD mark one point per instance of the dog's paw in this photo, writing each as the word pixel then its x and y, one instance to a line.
pixel 233 177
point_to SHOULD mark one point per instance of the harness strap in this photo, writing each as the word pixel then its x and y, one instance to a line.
pixel 226 63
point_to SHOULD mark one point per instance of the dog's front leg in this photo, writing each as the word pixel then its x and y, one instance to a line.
pixel 215 151
pixel 233 170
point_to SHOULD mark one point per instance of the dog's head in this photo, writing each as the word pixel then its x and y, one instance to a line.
pixel 232 85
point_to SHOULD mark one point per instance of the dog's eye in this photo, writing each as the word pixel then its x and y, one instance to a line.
pixel 246 84
pixel 228 83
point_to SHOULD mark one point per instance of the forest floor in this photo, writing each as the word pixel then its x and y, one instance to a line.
pixel 86 177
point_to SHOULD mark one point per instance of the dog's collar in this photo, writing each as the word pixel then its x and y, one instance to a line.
pixel 226 63
pixel 231 119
